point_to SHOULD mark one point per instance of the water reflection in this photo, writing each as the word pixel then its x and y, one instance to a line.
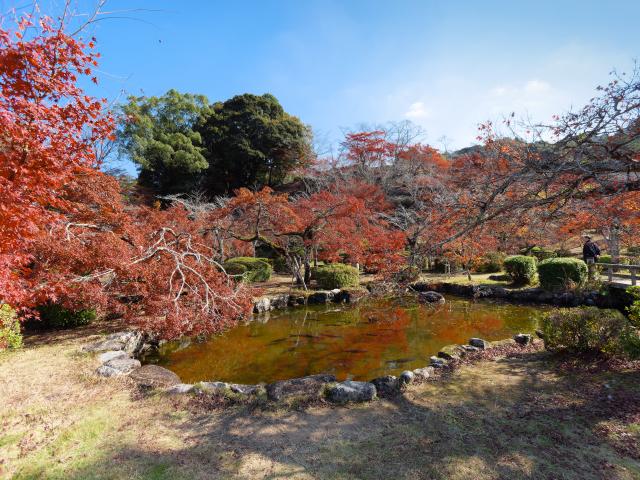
pixel 375 337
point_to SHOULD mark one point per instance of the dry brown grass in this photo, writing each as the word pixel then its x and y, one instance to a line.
pixel 518 417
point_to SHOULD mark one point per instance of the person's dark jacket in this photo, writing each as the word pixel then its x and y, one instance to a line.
pixel 590 250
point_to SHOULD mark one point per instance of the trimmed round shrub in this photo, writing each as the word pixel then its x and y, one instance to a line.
pixel 542 253
pixel 56 316
pixel 562 273
pixel 521 269
pixel 336 275
pixel 492 262
pixel 253 269
pixel 587 329
pixel 10 335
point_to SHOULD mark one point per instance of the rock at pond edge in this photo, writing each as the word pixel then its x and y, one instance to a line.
pixel 386 385
pixel 479 343
pixel 351 391
pixel 155 376
pixel 310 386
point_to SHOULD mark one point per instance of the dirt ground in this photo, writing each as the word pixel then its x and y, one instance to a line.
pixel 525 416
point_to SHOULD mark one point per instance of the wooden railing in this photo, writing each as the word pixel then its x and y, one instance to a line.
pixel 612 272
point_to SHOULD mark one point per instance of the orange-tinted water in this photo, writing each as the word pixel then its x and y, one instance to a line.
pixel 364 341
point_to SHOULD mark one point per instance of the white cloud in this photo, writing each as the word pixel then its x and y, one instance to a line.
pixel 536 86
pixel 417 110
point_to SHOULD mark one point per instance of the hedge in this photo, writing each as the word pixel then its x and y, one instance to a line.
pixel 253 269
pixel 336 275
pixel 56 316
pixel 521 269
pixel 561 273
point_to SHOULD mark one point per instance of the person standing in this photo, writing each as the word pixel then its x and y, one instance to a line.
pixel 590 254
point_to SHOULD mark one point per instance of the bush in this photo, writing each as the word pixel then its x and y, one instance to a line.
pixel 336 275
pixel 587 329
pixel 605 259
pixel 541 253
pixel 521 269
pixel 10 336
pixel 253 269
pixel 562 273
pixel 634 250
pixel 492 262
pixel 634 308
pixel 56 316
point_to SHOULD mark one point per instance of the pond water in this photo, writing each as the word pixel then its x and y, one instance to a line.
pixel 363 341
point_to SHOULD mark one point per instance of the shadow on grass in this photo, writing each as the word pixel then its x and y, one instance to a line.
pixel 509 419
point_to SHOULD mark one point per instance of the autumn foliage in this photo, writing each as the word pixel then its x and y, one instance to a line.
pixel 388 203
pixel 65 234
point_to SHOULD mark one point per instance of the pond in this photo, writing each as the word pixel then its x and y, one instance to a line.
pixel 360 342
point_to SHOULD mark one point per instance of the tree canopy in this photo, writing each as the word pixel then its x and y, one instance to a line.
pixel 160 136
pixel 252 142
pixel 181 143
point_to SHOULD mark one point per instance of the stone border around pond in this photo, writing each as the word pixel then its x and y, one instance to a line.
pixel 527 295
pixel 116 350
pixel 267 303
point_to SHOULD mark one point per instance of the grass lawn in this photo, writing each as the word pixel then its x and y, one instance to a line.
pixel 516 417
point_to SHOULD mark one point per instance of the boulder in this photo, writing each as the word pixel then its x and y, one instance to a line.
pixel 349 295
pixel 387 385
pixel 478 343
pixel 309 386
pixel 261 305
pixel 423 373
pixel 180 388
pixel 431 297
pixel 279 301
pixel 523 338
pixel 154 376
pixel 451 352
pixel 130 342
pixel 106 371
pixel 124 364
pixel 406 378
pixel 351 391
pixel 321 296
pixel 437 362
pixel 103 346
pixel 111 354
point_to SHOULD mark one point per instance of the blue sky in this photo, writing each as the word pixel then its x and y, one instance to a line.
pixel 445 65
